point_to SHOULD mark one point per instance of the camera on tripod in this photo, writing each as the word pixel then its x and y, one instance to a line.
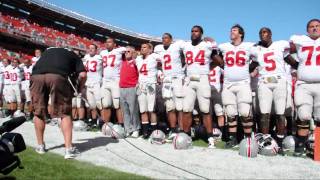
pixel 10 144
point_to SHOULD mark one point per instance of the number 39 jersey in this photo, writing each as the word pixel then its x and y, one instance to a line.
pixel 148 68
pixel 308 53
pixel 271 59
pixel 93 66
pixel 112 62
pixel 171 59
pixel 236 61
pixel 198 57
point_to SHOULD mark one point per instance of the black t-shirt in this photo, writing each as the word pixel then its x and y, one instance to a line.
pixel 58 61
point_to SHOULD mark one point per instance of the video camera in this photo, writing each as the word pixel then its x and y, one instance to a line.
pixel 10 144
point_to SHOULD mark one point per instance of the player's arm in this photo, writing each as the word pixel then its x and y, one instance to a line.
pixel 121 50
pixel 217 59
pixel 290 60
pixel 253 68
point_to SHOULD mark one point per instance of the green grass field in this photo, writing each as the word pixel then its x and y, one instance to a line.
pixel 53 166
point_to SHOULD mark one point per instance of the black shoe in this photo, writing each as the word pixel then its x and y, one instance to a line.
pixel 145 135
pixel 299 150
pixel 231 143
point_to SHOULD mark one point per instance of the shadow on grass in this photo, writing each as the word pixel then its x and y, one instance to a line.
pixel 8 178
pixel 88 144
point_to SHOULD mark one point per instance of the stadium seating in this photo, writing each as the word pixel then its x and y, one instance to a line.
pixel 44 35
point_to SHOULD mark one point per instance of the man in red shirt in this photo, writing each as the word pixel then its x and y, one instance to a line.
pixel 128 95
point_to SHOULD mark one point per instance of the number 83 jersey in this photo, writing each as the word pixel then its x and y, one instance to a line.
pixel 271 59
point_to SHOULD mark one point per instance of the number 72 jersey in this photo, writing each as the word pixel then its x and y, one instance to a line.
pixel 308 53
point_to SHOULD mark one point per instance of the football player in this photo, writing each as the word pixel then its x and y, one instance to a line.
pixel 198 55
pixel 147 65
pixel 170 54
pixel 112 58
pixel 93 64
pixel 7 95
pixel 272 86
pixel 16 77
pixel 37 55
pixel 236 93
pixel 307 94
pixel 215 76
pixel 27 71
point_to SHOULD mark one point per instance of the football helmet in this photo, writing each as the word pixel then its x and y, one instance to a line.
pixel 182 141
pixel 267 145
pixel 157 137
pixel 288 143
pixel 117 132
pixel 79 125
pixel 107 129
pixel 248 147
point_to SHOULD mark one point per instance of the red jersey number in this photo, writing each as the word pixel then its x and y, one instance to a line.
pixel 167 62
pixel 310 50
pixel 198 58
pixel 111 58
pixel 143 69
pixel 212 75
pixel 239 58
pixel 268 59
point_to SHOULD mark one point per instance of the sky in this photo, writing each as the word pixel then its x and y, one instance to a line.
pixel 284 17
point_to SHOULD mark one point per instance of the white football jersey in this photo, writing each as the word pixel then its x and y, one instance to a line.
pixel 215 77
pixel 112 62
pixel 34 60
pixel 271 59
pixel 16 75
pixel 6 74
pixel 308 53
pixel 1 73
pixel 148 68
pixel 27 71
pixel 198 57
pixel 94 68
pixel 236 61
pixel 171 59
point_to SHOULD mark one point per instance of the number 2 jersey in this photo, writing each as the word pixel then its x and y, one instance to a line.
pixel 271 59
pixel 236 61
pixel 94 67
pixel 308 53
pixel 171 59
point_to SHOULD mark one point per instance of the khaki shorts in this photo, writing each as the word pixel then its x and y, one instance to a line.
pixel 43 85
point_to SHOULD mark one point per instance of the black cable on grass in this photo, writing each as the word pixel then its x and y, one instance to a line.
pixel 169 164
pixel 154 157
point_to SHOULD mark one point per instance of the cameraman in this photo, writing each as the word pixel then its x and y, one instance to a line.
pixel 50 77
